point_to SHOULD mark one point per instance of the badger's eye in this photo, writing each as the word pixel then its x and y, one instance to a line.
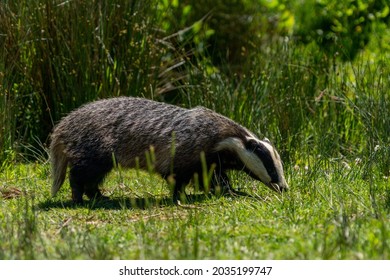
pixel 251 145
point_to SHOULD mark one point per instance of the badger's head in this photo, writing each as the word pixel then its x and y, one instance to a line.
pixel 260 159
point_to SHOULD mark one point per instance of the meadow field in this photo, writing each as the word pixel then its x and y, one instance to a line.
pixel 323 102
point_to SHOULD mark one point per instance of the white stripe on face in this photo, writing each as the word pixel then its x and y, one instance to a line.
pixel 249 159
pixel 260 158
pixel 266 154
pixel 281 182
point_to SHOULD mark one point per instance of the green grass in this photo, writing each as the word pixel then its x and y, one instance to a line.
pixel 331 212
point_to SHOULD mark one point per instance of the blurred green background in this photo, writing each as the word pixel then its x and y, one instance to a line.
pixel 311 75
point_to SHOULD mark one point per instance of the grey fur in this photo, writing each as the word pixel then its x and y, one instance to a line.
pixel 124 128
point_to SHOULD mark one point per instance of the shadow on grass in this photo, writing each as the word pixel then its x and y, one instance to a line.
pixel 116 203
pixel 112 203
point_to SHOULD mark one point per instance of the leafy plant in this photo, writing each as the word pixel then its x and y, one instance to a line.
pixel 340 28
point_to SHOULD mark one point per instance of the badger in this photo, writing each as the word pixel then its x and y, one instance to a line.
pixel 92 139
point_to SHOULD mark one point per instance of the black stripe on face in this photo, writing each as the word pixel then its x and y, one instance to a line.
pixel 265 156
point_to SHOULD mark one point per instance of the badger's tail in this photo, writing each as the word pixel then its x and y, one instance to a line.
pixel 59 163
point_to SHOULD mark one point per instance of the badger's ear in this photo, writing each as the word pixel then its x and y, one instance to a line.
pixel 267 140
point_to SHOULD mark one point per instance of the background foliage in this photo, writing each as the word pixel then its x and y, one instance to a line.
pixel 282 56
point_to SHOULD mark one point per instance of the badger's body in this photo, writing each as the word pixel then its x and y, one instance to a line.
pixel 122 130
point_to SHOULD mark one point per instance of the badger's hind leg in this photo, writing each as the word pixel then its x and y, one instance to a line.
pixel 86 180
pixel 91 189
pixel 76 185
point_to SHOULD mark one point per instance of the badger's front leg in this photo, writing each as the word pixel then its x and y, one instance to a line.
pixel 220 183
